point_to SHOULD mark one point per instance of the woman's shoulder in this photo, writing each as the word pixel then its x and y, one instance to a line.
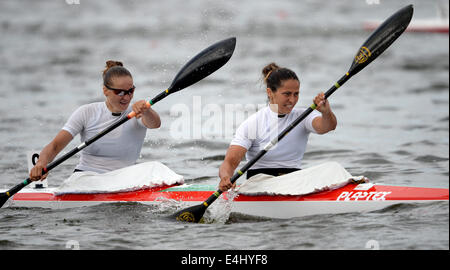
pixel 89 109
pixel 259 115
pixel 94 106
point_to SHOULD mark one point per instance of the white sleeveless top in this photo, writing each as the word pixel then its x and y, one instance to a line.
pixel 119 148
pixel 265 125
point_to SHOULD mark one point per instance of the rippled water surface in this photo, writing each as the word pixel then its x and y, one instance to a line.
pixel 393 117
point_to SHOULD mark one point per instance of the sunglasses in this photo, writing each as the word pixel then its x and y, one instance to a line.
pixel 121 92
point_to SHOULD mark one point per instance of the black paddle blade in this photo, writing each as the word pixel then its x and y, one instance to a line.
pixel 3 199
pixel 382 38
pixel 191 214
pixel 203 64
pixel 6 195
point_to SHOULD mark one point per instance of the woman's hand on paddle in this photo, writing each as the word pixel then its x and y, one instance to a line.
pixel 150 118
pixel 322 103
pixel 140 107
pixel 225 184
pixel 36 172
pixel 234 155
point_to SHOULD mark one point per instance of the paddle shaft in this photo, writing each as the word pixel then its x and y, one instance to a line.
pixel 282 134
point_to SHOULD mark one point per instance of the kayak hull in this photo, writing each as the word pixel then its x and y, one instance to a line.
pixel 350 198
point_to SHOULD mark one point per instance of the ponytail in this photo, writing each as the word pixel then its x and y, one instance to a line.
pixel 114 69
pixel 275 75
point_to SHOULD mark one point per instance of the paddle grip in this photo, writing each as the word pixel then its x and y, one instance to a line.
pixel 133 114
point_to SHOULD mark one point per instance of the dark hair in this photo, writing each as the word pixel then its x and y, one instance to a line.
pixel 114 69
pixel 275 75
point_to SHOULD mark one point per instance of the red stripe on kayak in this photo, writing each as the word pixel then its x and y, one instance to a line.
pixel 139 195
pixel 347 193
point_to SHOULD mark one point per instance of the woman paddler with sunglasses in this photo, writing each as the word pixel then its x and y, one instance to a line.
pixel 119 148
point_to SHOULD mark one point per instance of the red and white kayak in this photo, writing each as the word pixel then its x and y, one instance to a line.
pixel 350 198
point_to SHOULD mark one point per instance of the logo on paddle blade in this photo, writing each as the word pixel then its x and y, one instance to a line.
pixel 363 55
pixel 186 216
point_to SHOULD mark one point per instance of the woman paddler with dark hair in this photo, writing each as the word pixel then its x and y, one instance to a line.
pixel 258 130
pixel 117 149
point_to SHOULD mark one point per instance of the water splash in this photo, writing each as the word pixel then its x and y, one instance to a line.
pixel 166 205
pixel 220 211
